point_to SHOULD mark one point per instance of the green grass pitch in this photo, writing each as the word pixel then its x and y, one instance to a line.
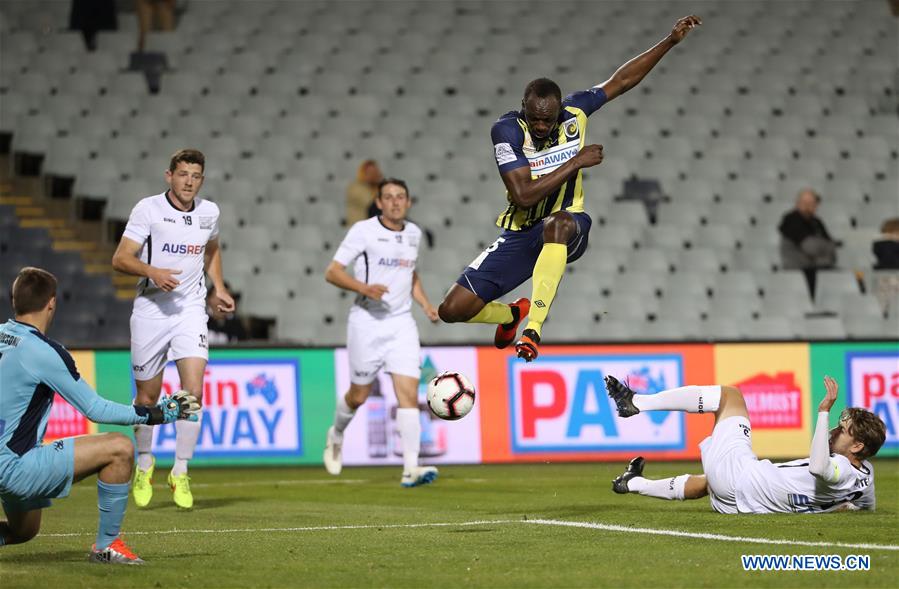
pixel 302 528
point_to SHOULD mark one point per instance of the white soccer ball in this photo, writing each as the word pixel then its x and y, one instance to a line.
pixel 450 395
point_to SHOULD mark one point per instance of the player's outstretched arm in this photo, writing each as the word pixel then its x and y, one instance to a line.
pixel 337 275
pixel 125 260
pixel 629 75
pixel 212 263
pixel 58 371
pixel 820 463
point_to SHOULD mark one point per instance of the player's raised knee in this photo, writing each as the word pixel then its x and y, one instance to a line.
pixel 729 393
pixel 450 312
pixel 732 403
pixel 559 227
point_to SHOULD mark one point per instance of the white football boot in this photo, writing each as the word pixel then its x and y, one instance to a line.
pixel 333 453
pixel 421 475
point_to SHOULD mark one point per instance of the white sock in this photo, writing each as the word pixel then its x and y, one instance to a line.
pixel 343 415
pixel 672 488
pixel 409 423
pixel 143 441
pixel 692 399
pixel 186 435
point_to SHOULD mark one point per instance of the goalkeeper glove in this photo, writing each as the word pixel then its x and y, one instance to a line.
pixel 181 405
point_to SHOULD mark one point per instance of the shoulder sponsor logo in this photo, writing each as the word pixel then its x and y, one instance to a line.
pixel 383 239
pixel 9 339
pixel 207 222
pixel 168 220
pixel 504 153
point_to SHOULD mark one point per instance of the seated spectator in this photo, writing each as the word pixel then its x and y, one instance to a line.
pixel 153 15
pixel 805 243
pixel 886 247
pixel 224 328
pixel 360 194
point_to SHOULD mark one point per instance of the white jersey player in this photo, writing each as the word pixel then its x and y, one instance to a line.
pixel 171 243
pixel 381 333
pixel 835 477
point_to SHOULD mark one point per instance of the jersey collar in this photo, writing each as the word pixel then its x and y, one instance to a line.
pixel 193 203
pixel 389 229
pixel 24 323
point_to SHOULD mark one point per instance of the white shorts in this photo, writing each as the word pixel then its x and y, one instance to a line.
pixel 391 344
pixel 156 341
pixel 726 454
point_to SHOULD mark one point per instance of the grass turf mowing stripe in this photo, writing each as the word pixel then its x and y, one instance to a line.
pixel 297 529
pixel 541 522
pixel 704 536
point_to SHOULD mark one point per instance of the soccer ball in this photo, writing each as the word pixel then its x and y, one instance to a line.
pixel 450 395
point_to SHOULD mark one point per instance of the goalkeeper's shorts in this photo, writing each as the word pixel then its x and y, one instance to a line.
pixel 29 481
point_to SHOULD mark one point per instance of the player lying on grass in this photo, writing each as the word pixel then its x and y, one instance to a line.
pixel 33 368
pixel 835 477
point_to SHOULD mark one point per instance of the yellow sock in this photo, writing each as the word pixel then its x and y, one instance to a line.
pixel 547 274
pixel 496 313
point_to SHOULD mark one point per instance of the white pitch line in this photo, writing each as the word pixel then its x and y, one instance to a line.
pixel 703 536
pixel 542 522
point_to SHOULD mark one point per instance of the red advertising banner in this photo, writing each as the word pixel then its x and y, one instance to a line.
pixel 65 421
pixel 773 401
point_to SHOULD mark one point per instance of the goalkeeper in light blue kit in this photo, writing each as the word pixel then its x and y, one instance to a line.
pixel 33 368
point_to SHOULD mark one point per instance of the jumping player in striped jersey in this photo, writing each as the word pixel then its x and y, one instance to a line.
pixel 540 151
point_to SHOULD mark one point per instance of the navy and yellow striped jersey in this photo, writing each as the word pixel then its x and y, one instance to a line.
pixel 514 148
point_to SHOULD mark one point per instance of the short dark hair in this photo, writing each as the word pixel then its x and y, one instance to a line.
pixel 188 156
pixel 867 428
pixel 395 181
pixel 32 290
pixel 542 88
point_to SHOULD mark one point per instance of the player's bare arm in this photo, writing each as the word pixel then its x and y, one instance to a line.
pixel 125 259
pixel 212 263
pixel 337 275
pixel 421 297
pixel 629 75
pixel 526 192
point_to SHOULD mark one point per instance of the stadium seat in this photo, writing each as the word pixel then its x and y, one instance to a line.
pixel 830 328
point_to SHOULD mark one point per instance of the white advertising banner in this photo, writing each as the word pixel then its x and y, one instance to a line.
pixel 251 408
pixel 372 437
pixel 874 385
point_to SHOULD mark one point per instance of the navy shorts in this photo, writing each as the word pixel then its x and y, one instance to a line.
pixel 510 260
